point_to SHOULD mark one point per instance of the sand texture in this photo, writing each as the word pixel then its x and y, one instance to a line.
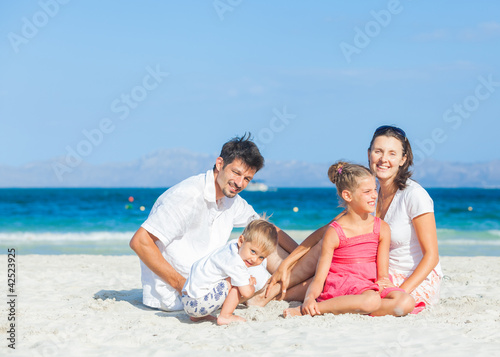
pixel 88 305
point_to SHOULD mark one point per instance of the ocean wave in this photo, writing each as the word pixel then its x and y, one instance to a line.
pixel 445 236
pixel 477 235
pixel 457 242
pixel 33 237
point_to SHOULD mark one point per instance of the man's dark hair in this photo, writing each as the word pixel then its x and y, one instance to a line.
pixel 244 149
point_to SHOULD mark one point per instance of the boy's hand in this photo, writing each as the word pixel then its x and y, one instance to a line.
pixel 253 281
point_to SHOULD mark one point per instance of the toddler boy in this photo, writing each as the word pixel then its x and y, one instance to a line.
pixel 222 279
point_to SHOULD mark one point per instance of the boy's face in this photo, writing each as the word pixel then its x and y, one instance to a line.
pixel 251 253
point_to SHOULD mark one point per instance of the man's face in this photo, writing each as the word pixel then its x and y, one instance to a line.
pixel 233 178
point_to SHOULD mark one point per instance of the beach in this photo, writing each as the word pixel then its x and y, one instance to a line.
pixel 90 305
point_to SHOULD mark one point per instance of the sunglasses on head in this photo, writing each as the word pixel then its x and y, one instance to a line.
pixel 385 128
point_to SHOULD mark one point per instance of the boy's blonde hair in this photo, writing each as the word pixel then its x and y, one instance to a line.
pixel 262 233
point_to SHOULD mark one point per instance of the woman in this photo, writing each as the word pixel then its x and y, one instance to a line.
pixel 404 205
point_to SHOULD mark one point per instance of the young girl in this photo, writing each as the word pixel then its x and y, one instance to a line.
pixel 352 272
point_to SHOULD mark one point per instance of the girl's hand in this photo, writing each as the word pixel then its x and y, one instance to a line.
pixel 310 307
pixel 385 283
pixel 282 276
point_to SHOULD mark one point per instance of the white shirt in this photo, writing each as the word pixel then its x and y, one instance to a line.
pixel 405 252
pixel 189 224
pixel 222 263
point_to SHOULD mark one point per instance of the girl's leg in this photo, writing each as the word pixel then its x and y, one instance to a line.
pixel 364 303
pixel 226 313
pixel 396 303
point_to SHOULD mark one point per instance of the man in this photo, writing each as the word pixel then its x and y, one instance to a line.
pixel 195 217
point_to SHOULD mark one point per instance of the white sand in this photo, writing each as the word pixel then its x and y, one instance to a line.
pixel 91 305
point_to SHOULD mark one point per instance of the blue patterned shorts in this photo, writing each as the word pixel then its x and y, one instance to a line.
pixel 207 304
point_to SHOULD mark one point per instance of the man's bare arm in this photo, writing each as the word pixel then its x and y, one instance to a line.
pixel 143 244
pixel 285 241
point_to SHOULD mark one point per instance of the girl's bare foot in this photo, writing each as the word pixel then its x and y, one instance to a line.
pixel 204 318
pixel 292 311
pixel 226 320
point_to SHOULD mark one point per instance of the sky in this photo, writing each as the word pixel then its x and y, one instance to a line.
pixel 114 81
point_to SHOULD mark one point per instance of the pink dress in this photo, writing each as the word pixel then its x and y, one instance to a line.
pixel 354 264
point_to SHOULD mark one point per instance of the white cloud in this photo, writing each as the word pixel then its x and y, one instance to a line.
pixel 436 35
pixel 480 32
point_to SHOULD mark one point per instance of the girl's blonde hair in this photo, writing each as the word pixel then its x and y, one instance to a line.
pixel 345 176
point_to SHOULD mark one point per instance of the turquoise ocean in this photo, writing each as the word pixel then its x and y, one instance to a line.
pixel 102 220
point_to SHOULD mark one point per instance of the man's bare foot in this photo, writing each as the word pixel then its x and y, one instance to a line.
pixel 292 311
pixel 226 320
pixel 204 318
pixel 257 300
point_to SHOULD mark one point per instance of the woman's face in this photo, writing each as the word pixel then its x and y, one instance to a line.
pixel 385 157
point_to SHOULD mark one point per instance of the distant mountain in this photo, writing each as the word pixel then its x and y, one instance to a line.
pixel 448 174
pixel 165 168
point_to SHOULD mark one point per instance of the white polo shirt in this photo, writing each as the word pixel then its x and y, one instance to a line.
pixel 405 251
pixel 189 224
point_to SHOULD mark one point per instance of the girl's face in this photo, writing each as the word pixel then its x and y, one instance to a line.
pixel 385 157
pixel 364 198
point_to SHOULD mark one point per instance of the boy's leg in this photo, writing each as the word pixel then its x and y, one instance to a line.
pixel 226 313
pixel 199 309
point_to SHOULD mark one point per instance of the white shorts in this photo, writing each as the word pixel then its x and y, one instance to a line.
pixel 427 292
pixel 207 304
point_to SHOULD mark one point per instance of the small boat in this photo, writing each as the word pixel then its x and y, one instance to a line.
pixel 256 186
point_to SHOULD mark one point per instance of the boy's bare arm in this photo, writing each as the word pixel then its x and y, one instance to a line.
pixel 247 291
